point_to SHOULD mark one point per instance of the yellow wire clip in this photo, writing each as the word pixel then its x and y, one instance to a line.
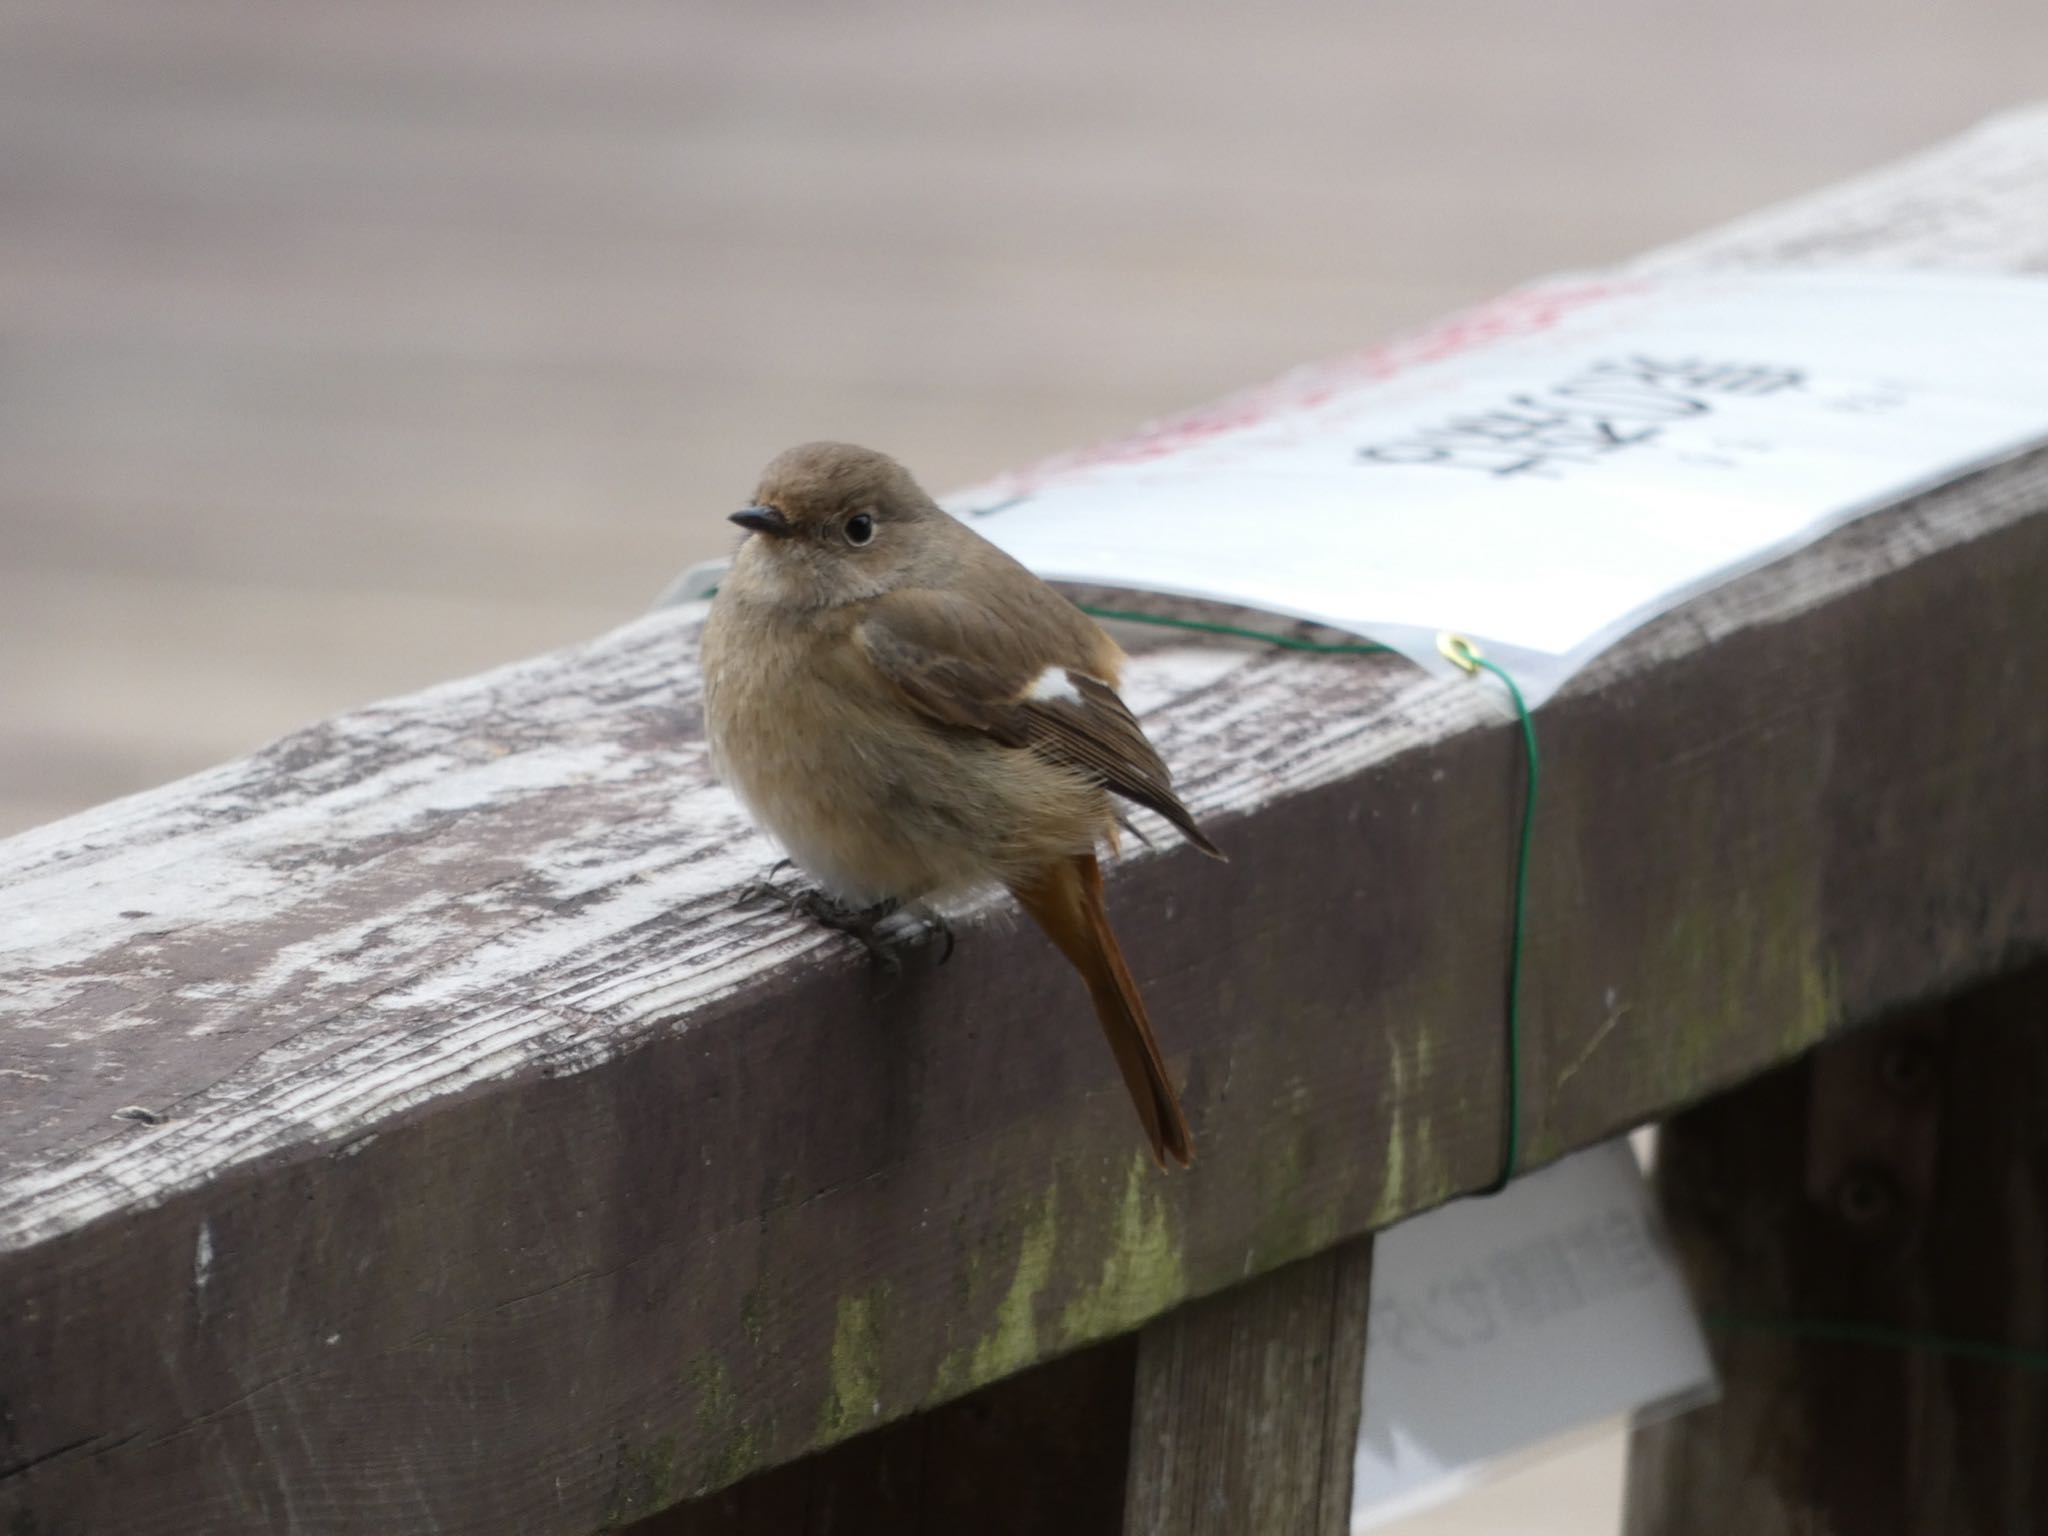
pixel 1460 651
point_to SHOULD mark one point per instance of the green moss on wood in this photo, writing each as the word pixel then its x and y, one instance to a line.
pixel 1393 1186
pixel 1143 1273
pixel 1414 1172
pixel 1725 961
pixel 1297 1212
pixel 855 1396
pixel 647 1481
pixel 731 1447
pixel 1013 1342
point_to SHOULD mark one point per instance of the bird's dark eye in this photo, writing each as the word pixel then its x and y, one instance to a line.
pixel 859 528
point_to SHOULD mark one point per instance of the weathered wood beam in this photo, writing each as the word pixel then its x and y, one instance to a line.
pixel 401 1129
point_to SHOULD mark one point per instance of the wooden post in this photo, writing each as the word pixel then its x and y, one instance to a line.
pixel 1245 1415
pixel 1896 1182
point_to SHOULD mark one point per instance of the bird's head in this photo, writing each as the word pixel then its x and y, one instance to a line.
pixel 831 524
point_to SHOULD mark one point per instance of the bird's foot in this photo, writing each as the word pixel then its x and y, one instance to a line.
pixel 768 889
pixel 921 928
pixel 886 930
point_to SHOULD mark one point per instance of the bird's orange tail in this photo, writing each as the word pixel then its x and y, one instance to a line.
pixel 1067 903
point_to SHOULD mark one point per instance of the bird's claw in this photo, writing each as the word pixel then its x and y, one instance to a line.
pixel 766 890
pixel 915 930
pixel 867 924
pixel 885 930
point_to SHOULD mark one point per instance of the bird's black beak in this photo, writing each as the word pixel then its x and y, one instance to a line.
pixel 764 520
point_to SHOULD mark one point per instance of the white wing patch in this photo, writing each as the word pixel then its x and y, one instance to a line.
pixel 1053 686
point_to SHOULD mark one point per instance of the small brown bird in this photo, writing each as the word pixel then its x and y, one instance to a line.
pixel 914 715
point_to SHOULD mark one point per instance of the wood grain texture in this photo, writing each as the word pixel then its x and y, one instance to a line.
pixel 502 1174
pixel 1897 1179
pixel 1246 1406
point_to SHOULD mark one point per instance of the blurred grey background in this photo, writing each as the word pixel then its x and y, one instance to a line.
pixel 344 349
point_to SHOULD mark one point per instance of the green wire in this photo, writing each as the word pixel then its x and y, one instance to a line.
pixel 1512 1155
pixel 1512 1150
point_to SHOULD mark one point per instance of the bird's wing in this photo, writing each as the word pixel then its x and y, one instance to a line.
pixel 1018 683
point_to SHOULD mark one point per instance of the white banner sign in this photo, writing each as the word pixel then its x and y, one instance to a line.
pixel 1502 1323
pixel 1545 473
